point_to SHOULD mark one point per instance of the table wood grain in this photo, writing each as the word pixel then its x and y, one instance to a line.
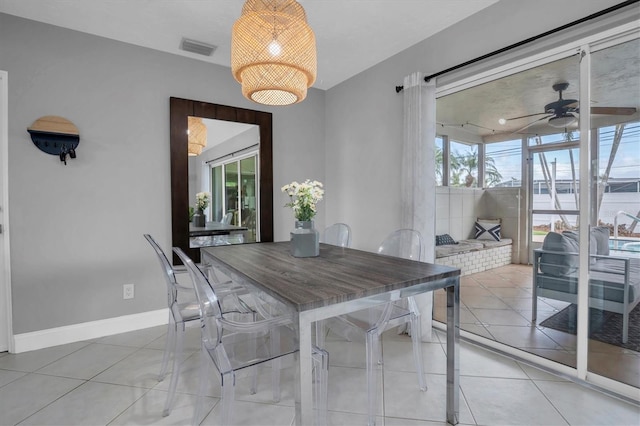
pixel 336 275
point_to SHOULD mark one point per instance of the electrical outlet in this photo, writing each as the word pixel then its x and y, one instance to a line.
pixel 127 291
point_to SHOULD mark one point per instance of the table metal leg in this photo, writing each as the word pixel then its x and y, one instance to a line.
pixel 453 352
pixel 304 391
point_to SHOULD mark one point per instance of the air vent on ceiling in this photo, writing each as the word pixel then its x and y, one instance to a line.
pixel 198 47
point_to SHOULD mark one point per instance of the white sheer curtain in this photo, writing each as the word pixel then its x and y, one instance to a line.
pixel 418 175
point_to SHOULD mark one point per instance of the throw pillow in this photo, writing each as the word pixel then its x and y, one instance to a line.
pixel 488 231
pixel 592 243
pixel 601 234
pixel 444 239
pixel 559 264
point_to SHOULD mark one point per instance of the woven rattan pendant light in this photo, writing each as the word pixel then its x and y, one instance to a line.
pixel 273 52
pixel 197 138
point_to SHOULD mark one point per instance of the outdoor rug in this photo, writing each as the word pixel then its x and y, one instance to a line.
pixel 603 325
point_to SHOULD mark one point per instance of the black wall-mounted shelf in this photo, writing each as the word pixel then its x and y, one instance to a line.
pixel 56 136
pixel 54 143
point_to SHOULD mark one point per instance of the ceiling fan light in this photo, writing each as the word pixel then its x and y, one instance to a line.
pixel 562 121
pixel 273 52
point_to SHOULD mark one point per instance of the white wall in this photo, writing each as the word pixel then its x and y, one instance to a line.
pixel 76 230
pixel 508 204
pixel 457 211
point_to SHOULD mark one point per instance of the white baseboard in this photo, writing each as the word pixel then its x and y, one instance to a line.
pixel 88 330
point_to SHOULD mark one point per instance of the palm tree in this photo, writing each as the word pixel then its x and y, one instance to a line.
pixel 439 160
pixel 465 167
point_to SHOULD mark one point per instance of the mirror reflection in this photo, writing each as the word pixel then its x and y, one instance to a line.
pixel 223 182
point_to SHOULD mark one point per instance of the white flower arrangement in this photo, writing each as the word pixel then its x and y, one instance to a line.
pixel 202 200
pixel 304 197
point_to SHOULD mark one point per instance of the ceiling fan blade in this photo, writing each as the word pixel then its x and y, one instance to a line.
pixel 532 123
pixel 525 116
pixel 613 110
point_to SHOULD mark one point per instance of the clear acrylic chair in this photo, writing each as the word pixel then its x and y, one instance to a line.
pixel 338 234
pixel 371 323
pixel 227 218
pixel 231 343
pixel 183 310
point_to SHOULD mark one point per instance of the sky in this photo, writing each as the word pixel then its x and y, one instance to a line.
pixel 626 165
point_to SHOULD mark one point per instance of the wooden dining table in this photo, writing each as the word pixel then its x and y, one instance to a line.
pixel 338 281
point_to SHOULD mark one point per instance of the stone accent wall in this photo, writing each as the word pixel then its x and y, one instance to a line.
pixel 478 261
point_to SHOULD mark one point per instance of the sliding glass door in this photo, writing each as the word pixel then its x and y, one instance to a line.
pixel 554 241
pixel 613 350
pixel 570 300
pixel 234 194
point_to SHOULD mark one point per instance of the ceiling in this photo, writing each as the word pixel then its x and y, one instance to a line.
pixel 472 115
pixel 356 36
pixel 351 35
pixel 219 131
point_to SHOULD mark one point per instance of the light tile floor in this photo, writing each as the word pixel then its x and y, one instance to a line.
pixel 496 304
pixel 112 381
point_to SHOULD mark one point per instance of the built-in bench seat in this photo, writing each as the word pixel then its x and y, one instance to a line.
pixel 473 256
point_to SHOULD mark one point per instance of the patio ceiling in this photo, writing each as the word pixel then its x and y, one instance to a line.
pixel 473 114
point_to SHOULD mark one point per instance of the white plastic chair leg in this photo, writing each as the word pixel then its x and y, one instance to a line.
pixel 321 333
pixel 228 397
pixel 204 378
pixel 168 347
pixel 177 355
pixel 417 350
pixel 276 365
pixel 416 337
pixel 372 358
pixel 253 389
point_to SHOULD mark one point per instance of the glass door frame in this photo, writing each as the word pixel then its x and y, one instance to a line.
pixel 237 159
pixel 528 156
pixel 583 46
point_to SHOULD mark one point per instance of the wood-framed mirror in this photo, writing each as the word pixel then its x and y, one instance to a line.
pixel 180 110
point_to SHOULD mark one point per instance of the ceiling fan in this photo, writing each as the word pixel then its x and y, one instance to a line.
pixel 563 113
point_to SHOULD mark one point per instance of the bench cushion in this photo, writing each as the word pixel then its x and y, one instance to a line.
pixel 465 246
pixel 491 244
pixel 462 247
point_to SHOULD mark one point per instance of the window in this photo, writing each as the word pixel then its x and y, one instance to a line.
pixel 463 165
pixel 618 176
pixel 503 164
pixel 439 159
